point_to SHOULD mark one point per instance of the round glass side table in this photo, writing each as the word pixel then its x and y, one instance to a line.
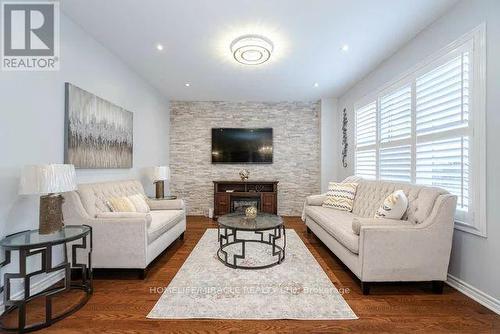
pixel 32 244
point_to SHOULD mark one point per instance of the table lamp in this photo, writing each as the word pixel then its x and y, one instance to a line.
pixel 48 181
pixel 160 174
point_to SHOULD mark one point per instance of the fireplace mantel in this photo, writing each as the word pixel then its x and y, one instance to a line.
pixel 227 191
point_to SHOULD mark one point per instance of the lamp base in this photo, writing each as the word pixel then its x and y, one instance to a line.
pixel 51 216
pixel 160 192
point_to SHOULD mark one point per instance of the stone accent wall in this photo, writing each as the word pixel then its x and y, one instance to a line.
pixel 296 150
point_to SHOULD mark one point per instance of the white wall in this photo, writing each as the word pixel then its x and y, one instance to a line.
pixel 32 120
pixel 475 260
pixel 330 147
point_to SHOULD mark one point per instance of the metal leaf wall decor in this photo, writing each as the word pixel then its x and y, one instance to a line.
pixel 344 138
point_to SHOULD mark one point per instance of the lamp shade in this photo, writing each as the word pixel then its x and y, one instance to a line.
pixel 160 173
pixel 47 179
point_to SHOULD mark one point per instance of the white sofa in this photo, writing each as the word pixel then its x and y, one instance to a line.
pixel 416 249
pixel 126 240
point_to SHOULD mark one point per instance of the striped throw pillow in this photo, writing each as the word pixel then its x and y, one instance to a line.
pixel 340 196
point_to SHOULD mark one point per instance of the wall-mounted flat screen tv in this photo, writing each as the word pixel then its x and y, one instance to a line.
pixel 242 146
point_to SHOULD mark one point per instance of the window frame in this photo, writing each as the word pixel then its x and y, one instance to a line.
pixel 475 40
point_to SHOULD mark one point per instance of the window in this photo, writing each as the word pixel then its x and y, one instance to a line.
pixel 395 135
pixel 366 137
pixel 428 128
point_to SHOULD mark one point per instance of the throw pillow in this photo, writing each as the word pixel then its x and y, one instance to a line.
pixel 352 179
pixel 340 196
pixel 121 204
pixel 140 203
pixel 394 206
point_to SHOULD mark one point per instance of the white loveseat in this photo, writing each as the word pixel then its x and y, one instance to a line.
pixel 415 249
pixel 127 240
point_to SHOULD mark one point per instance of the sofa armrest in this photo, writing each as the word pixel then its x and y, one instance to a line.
pixel 315 200
pixel 360 223
pixel 166 204
pixel 119 242
pixel 73 210
pixel 119 239
pixel 416 252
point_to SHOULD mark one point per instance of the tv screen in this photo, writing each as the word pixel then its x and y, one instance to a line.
pixel 247 146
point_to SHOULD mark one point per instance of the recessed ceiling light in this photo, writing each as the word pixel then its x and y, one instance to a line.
pixel 159 47
pixel 187 84
pixel 316 84
pixel 345 47
pixel 251 49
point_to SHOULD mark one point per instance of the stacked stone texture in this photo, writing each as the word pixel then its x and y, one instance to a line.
pixel 296 150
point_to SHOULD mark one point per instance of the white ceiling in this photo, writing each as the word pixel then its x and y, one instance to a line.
pixel 307 37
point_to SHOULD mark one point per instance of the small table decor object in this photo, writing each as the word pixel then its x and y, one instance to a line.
pixel 251 212
pixel 48 181
pixel 33 243
pixel 236 230
pixel 244 174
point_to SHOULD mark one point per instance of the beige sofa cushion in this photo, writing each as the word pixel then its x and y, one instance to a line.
pixel 371 194
pixel 340 196
pixel 162 221
pixel 95 195
pixel 336 223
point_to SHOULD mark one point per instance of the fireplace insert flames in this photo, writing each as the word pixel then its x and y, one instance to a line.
pixel 239 204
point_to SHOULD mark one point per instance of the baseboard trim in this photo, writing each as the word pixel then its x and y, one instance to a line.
pixel 37 287
pixel 474 293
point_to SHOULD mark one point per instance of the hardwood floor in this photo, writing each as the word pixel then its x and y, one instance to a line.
pixel 121 305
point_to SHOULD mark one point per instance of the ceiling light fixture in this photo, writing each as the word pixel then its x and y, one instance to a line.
pixel 345 48
pixel 251 49
pixel 316 84
pixel 187 84
pixel 159 47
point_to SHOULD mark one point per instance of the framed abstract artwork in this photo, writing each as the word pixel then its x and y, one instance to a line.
pixel 98 133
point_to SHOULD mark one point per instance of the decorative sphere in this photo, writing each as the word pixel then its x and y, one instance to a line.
pixel 244 174
pixel 251 212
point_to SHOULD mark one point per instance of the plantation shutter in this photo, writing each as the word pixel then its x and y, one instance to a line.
pixel 366 125
pixel 366 164
pixel 395 163
pixel 395 115
pixel 428 127
pixel 395 134
pixel 366 138
pixel 443 97
pixel 442 133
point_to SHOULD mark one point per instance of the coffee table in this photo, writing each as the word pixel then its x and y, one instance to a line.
pixel 236 229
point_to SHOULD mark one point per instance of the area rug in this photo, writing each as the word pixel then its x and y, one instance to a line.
pixel 298 288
